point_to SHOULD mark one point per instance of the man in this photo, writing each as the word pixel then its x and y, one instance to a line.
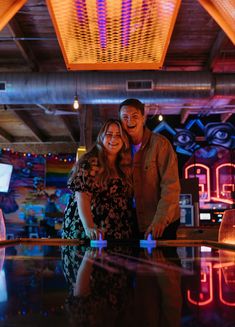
pixel 155 174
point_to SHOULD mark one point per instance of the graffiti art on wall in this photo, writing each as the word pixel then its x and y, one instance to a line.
pixel 37 183
pixel 213 163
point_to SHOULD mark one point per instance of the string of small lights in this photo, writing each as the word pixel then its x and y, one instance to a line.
pixel 58 156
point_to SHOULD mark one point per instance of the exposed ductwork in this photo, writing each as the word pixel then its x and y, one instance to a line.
pixel 95 87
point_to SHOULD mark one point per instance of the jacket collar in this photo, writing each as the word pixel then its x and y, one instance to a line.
pixel 146 137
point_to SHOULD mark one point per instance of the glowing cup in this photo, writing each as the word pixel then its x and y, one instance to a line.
pixel 227 227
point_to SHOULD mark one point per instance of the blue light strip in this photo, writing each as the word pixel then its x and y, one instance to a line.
pixel 164 126
pixel 101 13
pixel 197 122
pixel 126 18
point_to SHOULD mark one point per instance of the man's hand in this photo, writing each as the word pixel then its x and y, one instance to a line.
pixel 156 229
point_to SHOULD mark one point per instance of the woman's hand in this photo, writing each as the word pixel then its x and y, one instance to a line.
pixel 85 214
pixel 93 233
pixel 156 229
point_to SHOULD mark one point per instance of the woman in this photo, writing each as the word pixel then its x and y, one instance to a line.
pixel 97 292
pixel 101 185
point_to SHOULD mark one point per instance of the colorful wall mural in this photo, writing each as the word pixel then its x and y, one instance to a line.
pixel 37 193
pixel 206 150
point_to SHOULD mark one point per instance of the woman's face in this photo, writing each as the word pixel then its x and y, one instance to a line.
pixel 112 140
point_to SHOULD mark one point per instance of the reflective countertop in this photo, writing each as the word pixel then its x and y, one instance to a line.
pixel 65 284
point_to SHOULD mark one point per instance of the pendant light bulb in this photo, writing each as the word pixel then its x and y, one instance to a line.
pixel 160 117
pixel 75 103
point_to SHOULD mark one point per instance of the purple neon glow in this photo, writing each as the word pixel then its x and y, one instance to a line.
pixel 101 13
pixel 81 11
pixel 145 10
pixel 126 18
pixel 145 15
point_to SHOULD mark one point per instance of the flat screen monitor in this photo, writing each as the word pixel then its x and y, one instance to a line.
pixel 205 216
pixel 5 177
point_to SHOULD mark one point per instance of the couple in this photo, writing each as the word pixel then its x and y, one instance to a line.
pixel 118 181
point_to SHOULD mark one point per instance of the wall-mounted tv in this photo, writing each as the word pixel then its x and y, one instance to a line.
pixel 5 176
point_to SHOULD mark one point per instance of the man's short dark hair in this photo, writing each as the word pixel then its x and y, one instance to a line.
pixel 133 103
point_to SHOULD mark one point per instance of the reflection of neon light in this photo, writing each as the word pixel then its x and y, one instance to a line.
pixel 222 200
pixel 207 177
pixel 3 287
pixel 230 304
pixel 227 188
pixel 2 257
pixel 203 277
pixel 217 178
pixel 201 295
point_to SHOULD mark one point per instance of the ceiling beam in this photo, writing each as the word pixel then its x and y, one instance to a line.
pixel 215 52
pixel 72 131
pixel 25 117
pixel 82 121
pixel 23 46
pixel 88 127
pixel 224 117
pixel 184 115
pixel 8 137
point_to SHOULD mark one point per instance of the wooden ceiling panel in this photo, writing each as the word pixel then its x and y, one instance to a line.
pixel 197 43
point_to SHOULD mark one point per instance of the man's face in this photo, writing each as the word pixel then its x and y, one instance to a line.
pixel 132 122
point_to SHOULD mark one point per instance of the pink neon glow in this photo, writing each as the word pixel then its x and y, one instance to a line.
pixel 2 227
pixel 203 277
pixel 207 280
pixel 215 199
pixel 2 257
pixel 218 174
pixel 207 184
pixel 227 188
pixel 201 190
pixel 223 265
pixel 221 297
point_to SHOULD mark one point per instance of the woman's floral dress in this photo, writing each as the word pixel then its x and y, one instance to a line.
pixel 109 294
pixel 110 205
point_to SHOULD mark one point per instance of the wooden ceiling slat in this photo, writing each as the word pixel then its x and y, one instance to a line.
pixel 197 44
pixel 31 125
pixel 216 50
pixel 71 130
pixel 8 137
pixel 23 46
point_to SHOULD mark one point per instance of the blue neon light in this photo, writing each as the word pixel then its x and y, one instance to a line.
pixel 197 122
pixel 164 126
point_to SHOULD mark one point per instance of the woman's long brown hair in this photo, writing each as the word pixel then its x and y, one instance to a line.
pixel 122 163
